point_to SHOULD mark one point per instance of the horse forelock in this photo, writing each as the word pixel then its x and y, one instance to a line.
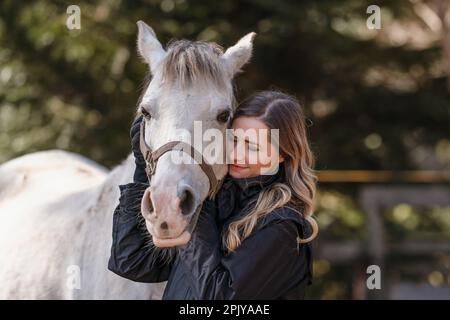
pixel 188 62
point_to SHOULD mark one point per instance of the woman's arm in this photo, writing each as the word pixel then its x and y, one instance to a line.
pixel 133 254
pixel 265 266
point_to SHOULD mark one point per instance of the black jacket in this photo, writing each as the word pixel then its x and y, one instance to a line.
pixel 269 264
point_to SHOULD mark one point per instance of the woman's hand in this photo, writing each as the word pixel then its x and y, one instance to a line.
pixel 139 173
pixel 206 231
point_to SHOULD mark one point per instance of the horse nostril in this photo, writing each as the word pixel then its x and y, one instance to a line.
pixel 164 226
pixel 187 201
pixel 147 205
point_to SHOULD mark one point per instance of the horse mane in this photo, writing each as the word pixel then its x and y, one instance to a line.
pixel 189 62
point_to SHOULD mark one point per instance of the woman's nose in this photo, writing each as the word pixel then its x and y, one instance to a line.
pixel 238 156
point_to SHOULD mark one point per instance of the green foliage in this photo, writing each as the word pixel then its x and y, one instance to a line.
pixel 77 89
pixel 374 103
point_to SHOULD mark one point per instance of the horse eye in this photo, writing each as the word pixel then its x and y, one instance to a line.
pixel 146 114
pixel 223 116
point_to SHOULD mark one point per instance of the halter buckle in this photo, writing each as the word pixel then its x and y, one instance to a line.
pixel 150 166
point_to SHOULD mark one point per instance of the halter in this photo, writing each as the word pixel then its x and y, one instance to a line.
pixel 151 158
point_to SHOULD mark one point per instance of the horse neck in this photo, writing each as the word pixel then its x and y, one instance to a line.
pixel 96 239
pixel 122 173
pixel 109 192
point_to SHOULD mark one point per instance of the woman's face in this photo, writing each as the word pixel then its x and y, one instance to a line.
pixel 252 154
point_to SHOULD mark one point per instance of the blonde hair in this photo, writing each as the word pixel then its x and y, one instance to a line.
pixel 298 186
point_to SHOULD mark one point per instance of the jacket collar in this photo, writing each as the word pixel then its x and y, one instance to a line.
pixel 249 187
pixel 237 193
pixel 258 182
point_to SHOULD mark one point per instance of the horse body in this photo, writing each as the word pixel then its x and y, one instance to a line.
pixel 55 235
pixel 56 207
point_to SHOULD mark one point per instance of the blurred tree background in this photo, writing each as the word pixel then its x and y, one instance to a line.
pixel 376 99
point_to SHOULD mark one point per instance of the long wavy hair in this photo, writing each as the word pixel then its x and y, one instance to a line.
pixel 297 187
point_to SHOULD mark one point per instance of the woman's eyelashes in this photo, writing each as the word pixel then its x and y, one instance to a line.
pixel 250 146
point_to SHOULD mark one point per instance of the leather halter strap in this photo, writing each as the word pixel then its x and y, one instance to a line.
pixel 151 157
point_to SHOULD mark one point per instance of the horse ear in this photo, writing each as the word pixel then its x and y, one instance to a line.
pixel 149 46
pixel 238 55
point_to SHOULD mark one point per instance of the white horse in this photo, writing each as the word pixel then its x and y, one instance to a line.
pixel 56 207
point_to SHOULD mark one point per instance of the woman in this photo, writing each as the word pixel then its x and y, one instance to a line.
pixel 253 241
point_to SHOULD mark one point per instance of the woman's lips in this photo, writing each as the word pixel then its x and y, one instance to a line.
pixel 237 167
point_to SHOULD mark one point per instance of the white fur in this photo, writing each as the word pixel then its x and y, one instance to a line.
pixel 175 107
pixel 56 207
pixel 239 54
pixel 148 46
pixel 56 211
